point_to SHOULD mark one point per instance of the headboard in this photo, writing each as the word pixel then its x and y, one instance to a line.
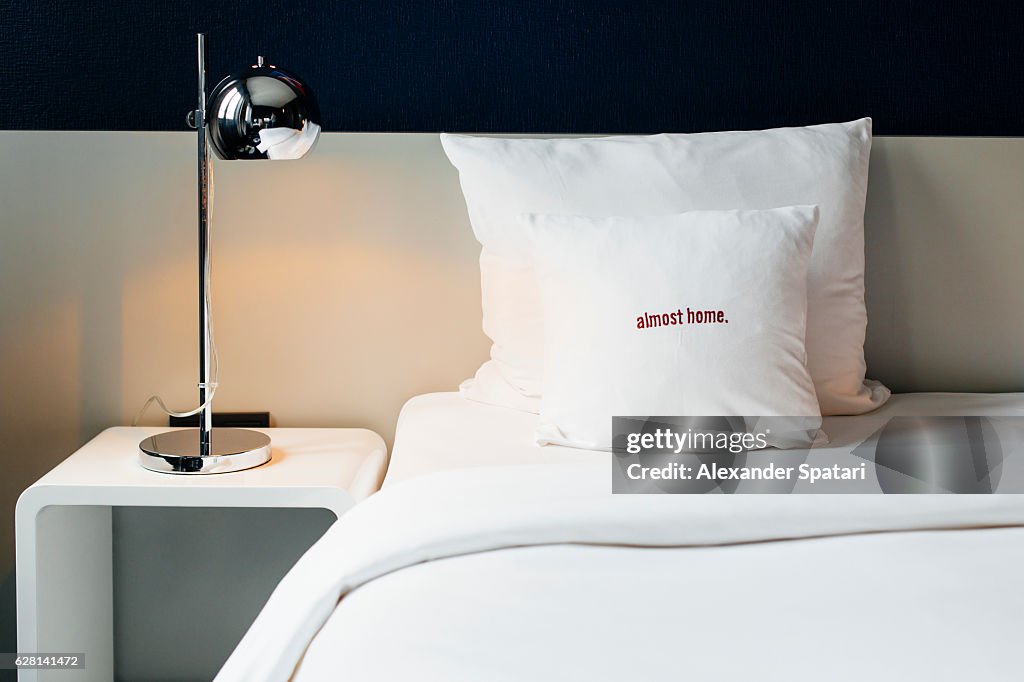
pixel 944 233
pixel 346 283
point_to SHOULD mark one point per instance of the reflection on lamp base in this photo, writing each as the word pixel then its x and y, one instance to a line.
pixel 177 452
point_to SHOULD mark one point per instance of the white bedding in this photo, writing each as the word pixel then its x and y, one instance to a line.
pixel 534 571
pixel 869 608
pixel 439 431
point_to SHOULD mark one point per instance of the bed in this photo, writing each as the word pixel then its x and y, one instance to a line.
pixel 488 557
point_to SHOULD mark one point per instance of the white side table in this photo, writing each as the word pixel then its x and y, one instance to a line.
pixel 63 524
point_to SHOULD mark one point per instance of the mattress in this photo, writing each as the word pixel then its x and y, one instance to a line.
pixel 442 431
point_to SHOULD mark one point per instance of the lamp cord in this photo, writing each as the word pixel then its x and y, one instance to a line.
pixel 208 310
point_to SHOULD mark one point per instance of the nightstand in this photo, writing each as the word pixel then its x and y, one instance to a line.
pixel 65 541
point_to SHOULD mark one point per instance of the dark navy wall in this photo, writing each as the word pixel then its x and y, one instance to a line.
pixel 938 67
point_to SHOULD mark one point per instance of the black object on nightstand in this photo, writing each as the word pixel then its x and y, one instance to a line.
pixel 246 420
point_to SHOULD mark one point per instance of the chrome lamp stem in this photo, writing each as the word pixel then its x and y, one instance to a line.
pixel 206 414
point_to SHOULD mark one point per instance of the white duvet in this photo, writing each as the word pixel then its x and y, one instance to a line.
pixel 538 572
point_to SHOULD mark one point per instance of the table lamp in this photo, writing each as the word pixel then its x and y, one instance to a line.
pixel 262 112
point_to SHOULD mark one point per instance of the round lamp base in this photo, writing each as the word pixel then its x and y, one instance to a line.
pixel 178 452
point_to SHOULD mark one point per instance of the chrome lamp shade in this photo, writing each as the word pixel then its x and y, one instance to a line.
pixel 263 112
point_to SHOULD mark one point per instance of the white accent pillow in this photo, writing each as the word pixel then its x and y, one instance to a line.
pixel 696 314
pixel 826 165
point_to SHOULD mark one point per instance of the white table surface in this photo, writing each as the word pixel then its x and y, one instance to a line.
pixel 347 459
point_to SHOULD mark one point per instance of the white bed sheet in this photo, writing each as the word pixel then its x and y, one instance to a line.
pixel 442 431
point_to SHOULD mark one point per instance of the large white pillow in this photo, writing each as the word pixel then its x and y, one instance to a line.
pixel 824 165
pixel 617 297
